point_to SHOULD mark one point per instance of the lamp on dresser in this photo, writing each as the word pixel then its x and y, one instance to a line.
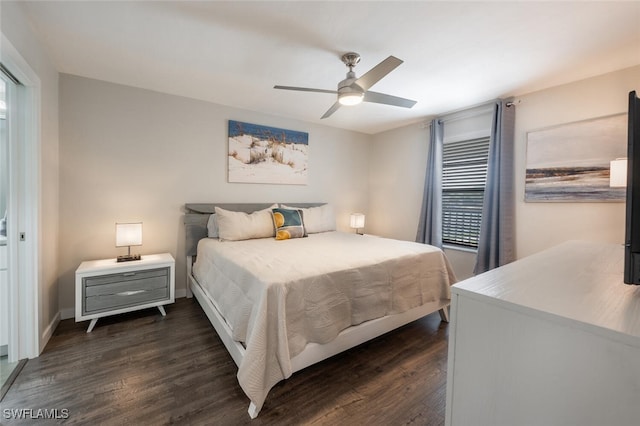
pixel 127 235
pixel 618 173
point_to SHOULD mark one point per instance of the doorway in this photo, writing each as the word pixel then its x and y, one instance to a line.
pixel 20 148
pixel 8 364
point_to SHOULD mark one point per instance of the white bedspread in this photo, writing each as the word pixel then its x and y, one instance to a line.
pixel 279 295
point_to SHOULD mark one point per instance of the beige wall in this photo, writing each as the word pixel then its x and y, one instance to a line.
pixel 398 159
pixel 397 172
pixel 128 154
pixel 17 29
pixel 543 225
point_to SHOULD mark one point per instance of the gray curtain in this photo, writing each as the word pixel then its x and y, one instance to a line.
pixel 496 245
pixel 430 225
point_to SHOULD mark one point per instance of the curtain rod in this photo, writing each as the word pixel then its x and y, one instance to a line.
pixel 8 74
pixel 469 111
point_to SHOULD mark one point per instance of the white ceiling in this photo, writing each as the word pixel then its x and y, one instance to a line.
pixel 456 54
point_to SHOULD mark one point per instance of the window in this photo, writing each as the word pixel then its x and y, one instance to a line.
pixel 464 175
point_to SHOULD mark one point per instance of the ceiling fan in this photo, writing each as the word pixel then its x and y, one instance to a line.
pixel 352 90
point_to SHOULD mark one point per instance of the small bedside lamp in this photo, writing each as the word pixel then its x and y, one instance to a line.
pixel 127 235
pixel 357 221
pixel 618 173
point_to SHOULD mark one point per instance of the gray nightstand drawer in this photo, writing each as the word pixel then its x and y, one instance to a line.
pixel 115 283
pixel 109 292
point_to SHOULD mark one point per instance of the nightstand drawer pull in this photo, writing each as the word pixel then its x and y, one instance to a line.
pixel 128 274
pixel 129 293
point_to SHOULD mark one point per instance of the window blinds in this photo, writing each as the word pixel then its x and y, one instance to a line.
pixel 464 175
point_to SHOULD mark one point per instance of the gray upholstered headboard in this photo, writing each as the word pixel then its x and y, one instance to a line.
pixel 197 215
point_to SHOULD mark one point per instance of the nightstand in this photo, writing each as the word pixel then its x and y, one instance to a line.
pixel 107 287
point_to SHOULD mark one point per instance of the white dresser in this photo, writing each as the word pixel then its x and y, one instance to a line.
pixel 552 339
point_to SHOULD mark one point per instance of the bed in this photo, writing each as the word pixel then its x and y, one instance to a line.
pixel 280 306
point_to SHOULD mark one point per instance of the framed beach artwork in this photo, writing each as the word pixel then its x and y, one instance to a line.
pixel 571 162
pixel 263 154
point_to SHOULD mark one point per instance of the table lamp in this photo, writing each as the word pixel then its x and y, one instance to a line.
pixel 127 235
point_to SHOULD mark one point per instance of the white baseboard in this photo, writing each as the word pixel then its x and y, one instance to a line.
pixel 181 292
pixel 48 332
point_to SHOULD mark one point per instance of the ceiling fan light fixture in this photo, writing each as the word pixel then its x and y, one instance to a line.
pixel 353 90
pixel 350 98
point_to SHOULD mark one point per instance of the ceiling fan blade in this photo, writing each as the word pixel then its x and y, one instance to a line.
pixel 331 110
pixel 376 73
pixel 381 98
pixel 305 89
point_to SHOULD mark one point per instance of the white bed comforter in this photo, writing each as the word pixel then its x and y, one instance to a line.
pixel 277 296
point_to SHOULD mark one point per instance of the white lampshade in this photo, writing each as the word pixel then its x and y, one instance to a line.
pixel 128 234
pixel 618 173
pixel 357 220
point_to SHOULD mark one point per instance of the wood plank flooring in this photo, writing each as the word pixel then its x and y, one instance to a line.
pixel 143 369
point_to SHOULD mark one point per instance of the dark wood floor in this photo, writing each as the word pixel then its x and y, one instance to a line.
pixel 143 369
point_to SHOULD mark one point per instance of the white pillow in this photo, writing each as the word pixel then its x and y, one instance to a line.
pixel 212 226
pixel 236 226
pixel 317 219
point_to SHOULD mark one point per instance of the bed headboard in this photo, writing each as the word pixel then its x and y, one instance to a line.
pixel 197 215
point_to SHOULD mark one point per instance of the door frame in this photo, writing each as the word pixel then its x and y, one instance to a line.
pixel 24 271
